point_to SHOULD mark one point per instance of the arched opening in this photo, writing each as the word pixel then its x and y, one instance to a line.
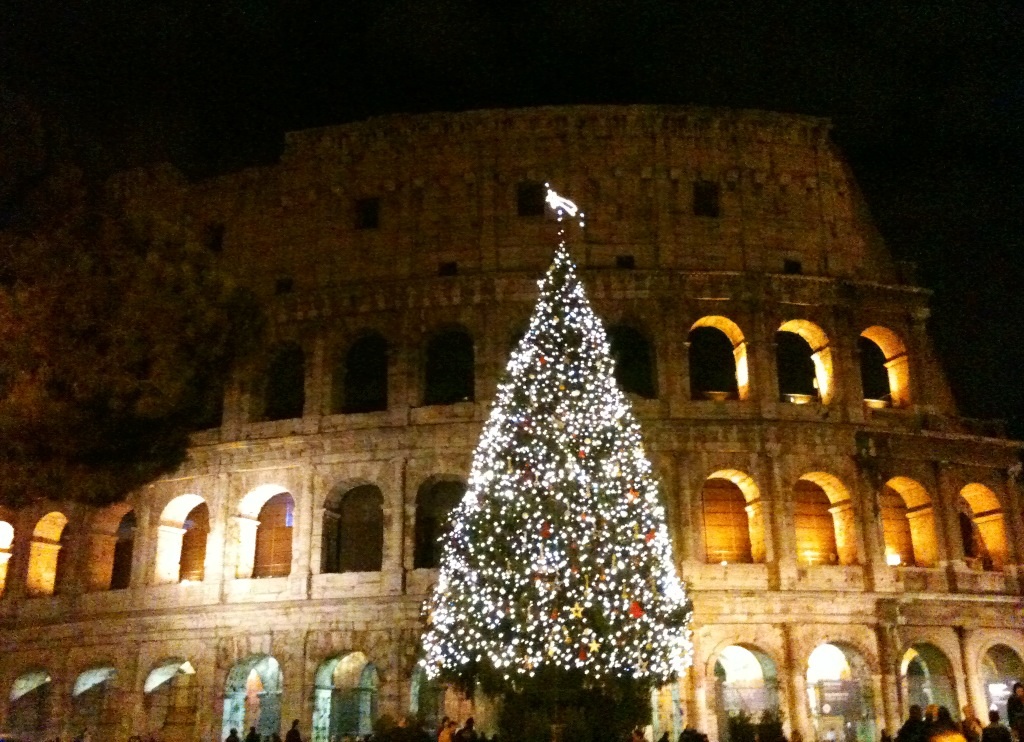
pixel 124 548
pixel 45 564
pixel 1001 667
pixel 634 361
pixel 908 524
pixel 434 504
pixel 747 685
pixel 449 372
pixel 804 363
pixel 181 540
pixel 884 368
pixel 345 700
pixel 273 548
pixel 824 521
pixel 360 382
pixel 928 677
pixel 426 700
pixel 284 391
pixel 839 693
pixel 718 360
pixel 6 546
pixel 252 697
pixel 93 706
pixel 983 528
pixel 28 707
pixel 170 700
pixel 353 532
pixel 733 520
pixel 193 544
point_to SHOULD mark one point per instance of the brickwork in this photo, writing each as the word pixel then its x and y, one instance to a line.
pixel 791 247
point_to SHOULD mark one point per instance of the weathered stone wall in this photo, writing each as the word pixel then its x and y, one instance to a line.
pixel 447 188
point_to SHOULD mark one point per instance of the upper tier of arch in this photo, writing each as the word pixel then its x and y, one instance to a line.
pixel 675 188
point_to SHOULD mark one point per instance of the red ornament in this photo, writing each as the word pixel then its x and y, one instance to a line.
pixel 633 494
pixel 545 530
pixel 650 535
pixel 583 454
pixel 583 653
pixel 635 610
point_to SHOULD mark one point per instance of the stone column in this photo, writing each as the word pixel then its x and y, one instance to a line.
pixel 168 554
pixel 244 542
pixel 947 519
pixel 42 572
pixel 849 545
pixel 889 660
pixel 794 676
pixel 101 562
pixel 782 570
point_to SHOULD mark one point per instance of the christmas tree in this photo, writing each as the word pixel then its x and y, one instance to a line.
pixel 558 557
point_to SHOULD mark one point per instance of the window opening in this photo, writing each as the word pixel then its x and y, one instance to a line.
pixel 368 213
pixel 705 198
pixel 285 394
pixel 449 369
pixel 530 199
pixel 634 361
pixel 433 512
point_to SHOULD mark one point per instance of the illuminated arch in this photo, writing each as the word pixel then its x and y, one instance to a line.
pixel 825 522
pixel 732 518
pixel 252 696
pixel 345 701
pixel 92 699
pixel 746 683
pixel 896 363
pixel 839 691
pixel 6 544
pixel 111 543
pixel 927 676
pixel 820 355
pixel 44 562
pixel 739 368
pixel 170 691
pixel 276 539
pixel 28 708
pixel 1001 667
pixel 180 544
pixel 989 525
pixel 908 523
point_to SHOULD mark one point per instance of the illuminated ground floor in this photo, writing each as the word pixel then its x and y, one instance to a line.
pixel 828 666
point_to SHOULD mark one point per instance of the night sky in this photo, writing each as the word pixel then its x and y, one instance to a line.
pixel 927 100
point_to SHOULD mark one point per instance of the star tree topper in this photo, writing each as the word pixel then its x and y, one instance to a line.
pixel 558 553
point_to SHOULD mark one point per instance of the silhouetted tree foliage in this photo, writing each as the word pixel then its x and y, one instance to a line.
pixel 117 328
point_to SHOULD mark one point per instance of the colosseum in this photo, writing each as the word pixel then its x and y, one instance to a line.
pixel 850 543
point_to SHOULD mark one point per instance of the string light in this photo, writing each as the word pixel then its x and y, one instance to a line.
pixel 558 553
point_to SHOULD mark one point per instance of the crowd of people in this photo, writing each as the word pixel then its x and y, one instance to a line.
pixel 935 723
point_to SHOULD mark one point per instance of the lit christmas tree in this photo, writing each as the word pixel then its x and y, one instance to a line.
pixel 558 557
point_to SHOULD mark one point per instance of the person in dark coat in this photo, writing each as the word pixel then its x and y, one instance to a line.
pixel 232 736
pixel 1015 710
pixel 252 736
pixel 293 733
pixel 995 732
pixel 913 728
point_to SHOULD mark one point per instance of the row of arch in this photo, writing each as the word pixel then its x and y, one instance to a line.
pixel 719 368
pixel 732 526
pixel 352 537
pixel 841 698
pixel 825 522
pixel 345 699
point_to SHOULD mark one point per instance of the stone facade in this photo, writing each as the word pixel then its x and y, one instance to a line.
pixel 888 528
